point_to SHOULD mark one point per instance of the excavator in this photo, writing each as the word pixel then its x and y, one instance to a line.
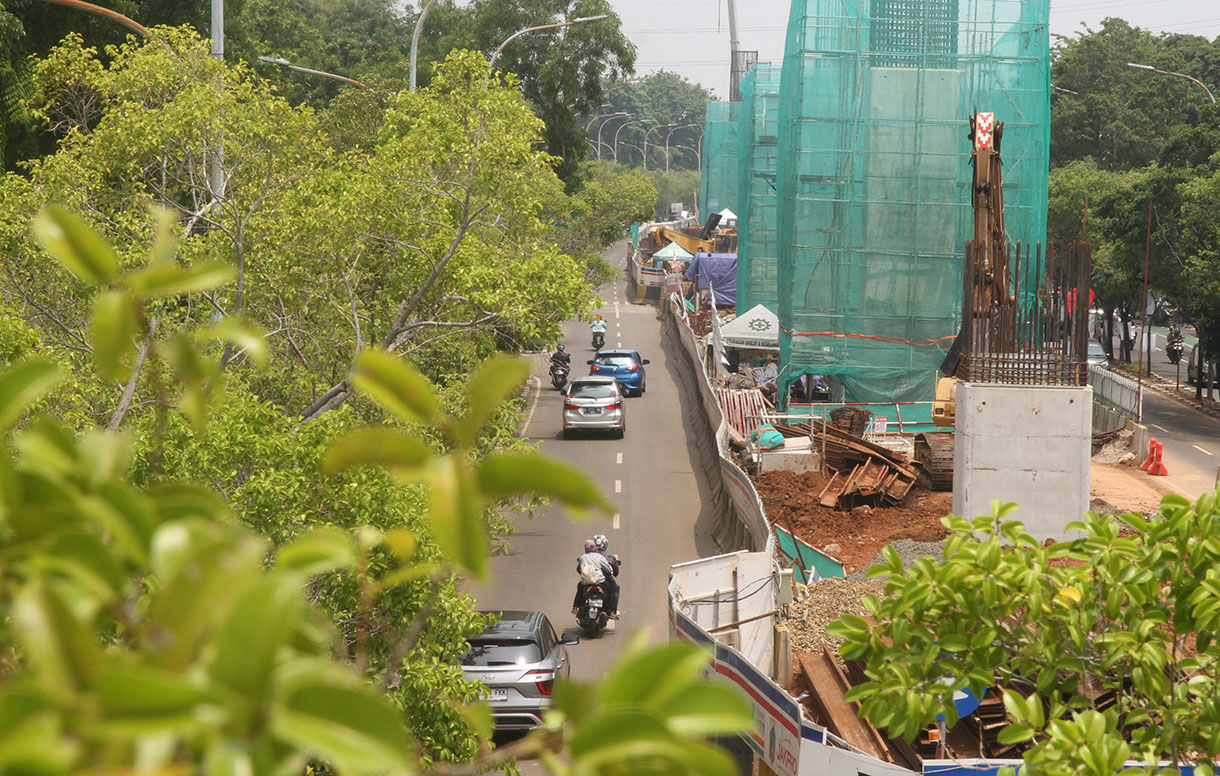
pixel 989 257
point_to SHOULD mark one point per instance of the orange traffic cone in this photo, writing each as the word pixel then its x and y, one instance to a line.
pixel 1158 468
pixel 1151 455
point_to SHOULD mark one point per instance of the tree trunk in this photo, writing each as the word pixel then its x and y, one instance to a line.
pixel 1110 332
pixel 1198 356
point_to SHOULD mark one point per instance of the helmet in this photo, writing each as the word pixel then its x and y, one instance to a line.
pixel 598 316
pixel 601 542
pixel 559 347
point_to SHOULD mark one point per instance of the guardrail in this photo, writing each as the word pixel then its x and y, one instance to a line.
pixel 1118 392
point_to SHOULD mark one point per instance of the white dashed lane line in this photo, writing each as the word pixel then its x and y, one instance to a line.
pixel 618 486
pixel 619 458
pixel 1201 450
pixel 1159 428
pixel 616 521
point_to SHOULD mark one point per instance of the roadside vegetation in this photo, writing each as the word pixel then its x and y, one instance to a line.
pixel 213 268
pixel 1128 137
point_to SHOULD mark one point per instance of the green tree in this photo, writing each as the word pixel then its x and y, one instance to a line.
pixel 562 72
pixel 668 101
pixel 1058 627
pixel 144 628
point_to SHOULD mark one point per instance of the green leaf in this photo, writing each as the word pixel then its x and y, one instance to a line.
pixel 402 454
pixel 317 552
pixel 253 632
pixel 707 709
pixel 22 385
pixel 65 653
pixel 653 675
pixel 241 335
pixel 75 245
pixel 180 500
pixel 138 699
pixel 1016 733
pixel 164 242
pixel 455 515
pixel 506 474
pixel 352 727
pixel 194 372
pixel 494 381
pixel 478 716
pixel 90 563
pixel 112 331
pixel 396 386
pixel 162 280
pixel 621 736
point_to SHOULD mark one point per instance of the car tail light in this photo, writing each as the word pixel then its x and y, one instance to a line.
pixel 615 405
pixel 632 368
pixel 596 368
pixel 545 681
pixel 567 405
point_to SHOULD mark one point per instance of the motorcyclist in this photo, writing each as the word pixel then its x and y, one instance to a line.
pixel 602 544
pixel 598 326
pixel 595 558
pixel 561 356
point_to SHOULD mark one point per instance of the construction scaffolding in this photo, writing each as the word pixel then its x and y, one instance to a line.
pixel 718 173
pixel 874 183
pixel 757 135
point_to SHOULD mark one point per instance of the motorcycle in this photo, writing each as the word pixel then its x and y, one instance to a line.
pixel 599 339
pixel 592 615
pixel 1174 350
pixel 559 375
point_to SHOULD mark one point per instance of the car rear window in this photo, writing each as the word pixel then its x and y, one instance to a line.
pixel 593 391
pixel 501 652
pixel 614 360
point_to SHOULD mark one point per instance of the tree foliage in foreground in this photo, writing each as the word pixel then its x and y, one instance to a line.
pixel 1131 607
pixel 144 628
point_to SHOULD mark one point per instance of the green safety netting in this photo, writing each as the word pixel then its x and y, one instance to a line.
pixel 718 174
pixel 874 177
pixel 757 134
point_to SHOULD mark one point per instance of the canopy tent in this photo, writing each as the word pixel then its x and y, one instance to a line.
pixel 717 271
pixel 727 215
pixel 673 251
pixel 756 329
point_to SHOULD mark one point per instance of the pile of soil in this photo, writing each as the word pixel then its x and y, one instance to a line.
pixel 856 537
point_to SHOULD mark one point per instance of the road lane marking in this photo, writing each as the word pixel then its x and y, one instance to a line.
pixel 536 385
pixel 616 521
pixel 1159 428
pixel 619 458
pixel 1201 450
pixel 618 486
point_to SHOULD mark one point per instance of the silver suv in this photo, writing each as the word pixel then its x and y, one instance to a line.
pixel 518 658
pixel 594 404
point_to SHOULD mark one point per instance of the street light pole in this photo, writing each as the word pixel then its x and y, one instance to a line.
pixel 603 126
pixel 284 63
pixel 675 129
pixel 646 134
pixel 419 26
pixel 130 24
pixel 495 54
pixel 589 123
pixel 620 129
pixel 1210 96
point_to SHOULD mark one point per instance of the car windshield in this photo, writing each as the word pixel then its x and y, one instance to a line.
pixel 614 359
pixel 593 391
pixel 1095 349
pixel 501 652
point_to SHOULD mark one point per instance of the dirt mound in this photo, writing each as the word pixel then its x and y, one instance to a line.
pixel 791 501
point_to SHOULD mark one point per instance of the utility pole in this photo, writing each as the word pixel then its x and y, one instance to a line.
pixel 734 45
pixel 217 172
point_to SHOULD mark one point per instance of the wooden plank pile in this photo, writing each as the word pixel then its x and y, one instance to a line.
pixel 864 473
pixel 934 453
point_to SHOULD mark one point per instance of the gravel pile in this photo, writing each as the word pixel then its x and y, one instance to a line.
pixel 828 600
pixel 909 550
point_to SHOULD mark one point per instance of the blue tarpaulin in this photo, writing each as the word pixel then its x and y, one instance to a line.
pixel 717 271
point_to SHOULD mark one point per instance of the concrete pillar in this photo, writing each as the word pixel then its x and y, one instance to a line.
pixel 1027 444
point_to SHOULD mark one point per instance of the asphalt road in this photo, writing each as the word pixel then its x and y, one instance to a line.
pixel 650 475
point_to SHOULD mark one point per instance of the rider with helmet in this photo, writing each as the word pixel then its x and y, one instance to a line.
pixel 561 355
pixel 596 557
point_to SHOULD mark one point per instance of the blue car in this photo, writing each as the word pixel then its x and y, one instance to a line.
pixel 623 365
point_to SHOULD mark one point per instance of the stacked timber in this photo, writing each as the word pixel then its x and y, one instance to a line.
pixel 934 454
pixel 864 473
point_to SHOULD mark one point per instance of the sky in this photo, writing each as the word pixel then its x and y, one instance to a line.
pixel 691 37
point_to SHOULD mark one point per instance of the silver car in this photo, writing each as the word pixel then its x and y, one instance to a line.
pixel 518 658
pixel 594 404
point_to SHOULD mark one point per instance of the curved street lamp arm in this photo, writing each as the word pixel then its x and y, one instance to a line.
pixel 496 54
pixel 1210 96
pixel 130 24
pixel 284 63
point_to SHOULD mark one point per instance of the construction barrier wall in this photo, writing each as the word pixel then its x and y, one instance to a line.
pixel 874 183
pixel 741 523
pixel 757 135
